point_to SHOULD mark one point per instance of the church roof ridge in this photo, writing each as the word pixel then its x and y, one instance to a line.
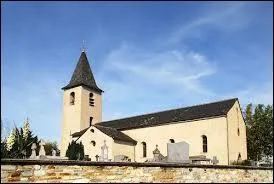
pixel 150 113
pixel 82 75
pixel 109 131
pixel 115 134
pixel 212 109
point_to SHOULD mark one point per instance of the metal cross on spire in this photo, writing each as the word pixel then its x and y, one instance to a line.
pixel 83 46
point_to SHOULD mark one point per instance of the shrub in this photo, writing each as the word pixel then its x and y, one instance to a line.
pixel 75 151
pixel 4 151
pixel 243 162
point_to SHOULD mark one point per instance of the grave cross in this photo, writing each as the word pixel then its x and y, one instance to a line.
pixel 42 149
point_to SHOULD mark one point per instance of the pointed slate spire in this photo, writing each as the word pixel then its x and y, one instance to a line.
pixel 82 75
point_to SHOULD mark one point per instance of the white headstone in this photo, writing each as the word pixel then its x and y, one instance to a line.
pixel 104 152
pixel 42 149
pixel 33 152
pixel 53 153
pixel 178 152
pixel 214 160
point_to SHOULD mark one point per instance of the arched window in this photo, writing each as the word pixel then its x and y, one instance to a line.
pixel 238 132
pixel 171 141
pixel 92 130
pixel 72 98
pixel 144 149
pixel 93 143
pixel 204 143
pixel 91 99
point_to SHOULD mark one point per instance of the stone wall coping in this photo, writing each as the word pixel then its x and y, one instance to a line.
pixel 132 164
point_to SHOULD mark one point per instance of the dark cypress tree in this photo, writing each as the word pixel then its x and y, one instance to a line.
pixel 75 151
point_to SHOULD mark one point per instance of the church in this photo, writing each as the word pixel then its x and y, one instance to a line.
pixel 215 129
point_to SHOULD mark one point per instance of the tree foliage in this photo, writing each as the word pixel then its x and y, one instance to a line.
pixel 75 151
pixel 4 151
pixel 259 124
pixel 49 146
pixel 18 144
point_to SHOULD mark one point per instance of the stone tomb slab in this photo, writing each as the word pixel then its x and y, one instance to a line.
pixel 178 152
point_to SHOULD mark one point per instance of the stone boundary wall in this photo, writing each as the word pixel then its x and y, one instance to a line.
pixel 18 170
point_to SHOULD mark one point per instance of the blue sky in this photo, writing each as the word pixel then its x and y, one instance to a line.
pixel 146 56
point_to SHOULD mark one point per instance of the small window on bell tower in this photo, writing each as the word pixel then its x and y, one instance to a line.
pixel 91 99
pixel 72 98
pixel 90 121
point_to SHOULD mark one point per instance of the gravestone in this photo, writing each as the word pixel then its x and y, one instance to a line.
pixel 157 156
pixel 121 158
pixel 178 152
pixel 215 160
pixel 33 152
pixel 97 158
pixel 53 153
pixel 104 152
pixel 42 152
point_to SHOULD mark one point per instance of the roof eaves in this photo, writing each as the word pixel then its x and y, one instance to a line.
pixel 81 84
pixel 82 132
pixel 100 127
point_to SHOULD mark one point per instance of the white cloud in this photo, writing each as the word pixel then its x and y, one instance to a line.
pixel 147 76
pixel 259 94
pixel 225 16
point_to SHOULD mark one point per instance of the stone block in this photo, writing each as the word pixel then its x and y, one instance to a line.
pixel 13 179
pixel 51 167
pixel 32 179
pixel 37 167
pixel 83 180
pixel 39 172
pixel 27 167
pixel 15 174
pixel 27 173
pixel 50 177
pixel 111 177
pixel 51 174
pixel 8 167
pixel 4 174
pixel 23 179
pixel 126 180
pixel 65 174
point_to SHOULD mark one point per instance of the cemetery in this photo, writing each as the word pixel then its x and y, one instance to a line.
pixel 177 153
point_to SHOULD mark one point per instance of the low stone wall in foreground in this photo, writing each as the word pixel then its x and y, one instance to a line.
pixel 14 170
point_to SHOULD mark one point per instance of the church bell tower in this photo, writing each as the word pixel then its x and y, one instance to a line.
pixel 82 102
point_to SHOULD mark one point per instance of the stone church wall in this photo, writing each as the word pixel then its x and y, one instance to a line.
pixel 191 132
pixel 236 139
pixel 80 171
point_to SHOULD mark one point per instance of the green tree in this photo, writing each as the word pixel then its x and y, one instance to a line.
pixel 49 146
pixel 19 142
pixel 75 151
pixel 259 124
pixel 4 151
